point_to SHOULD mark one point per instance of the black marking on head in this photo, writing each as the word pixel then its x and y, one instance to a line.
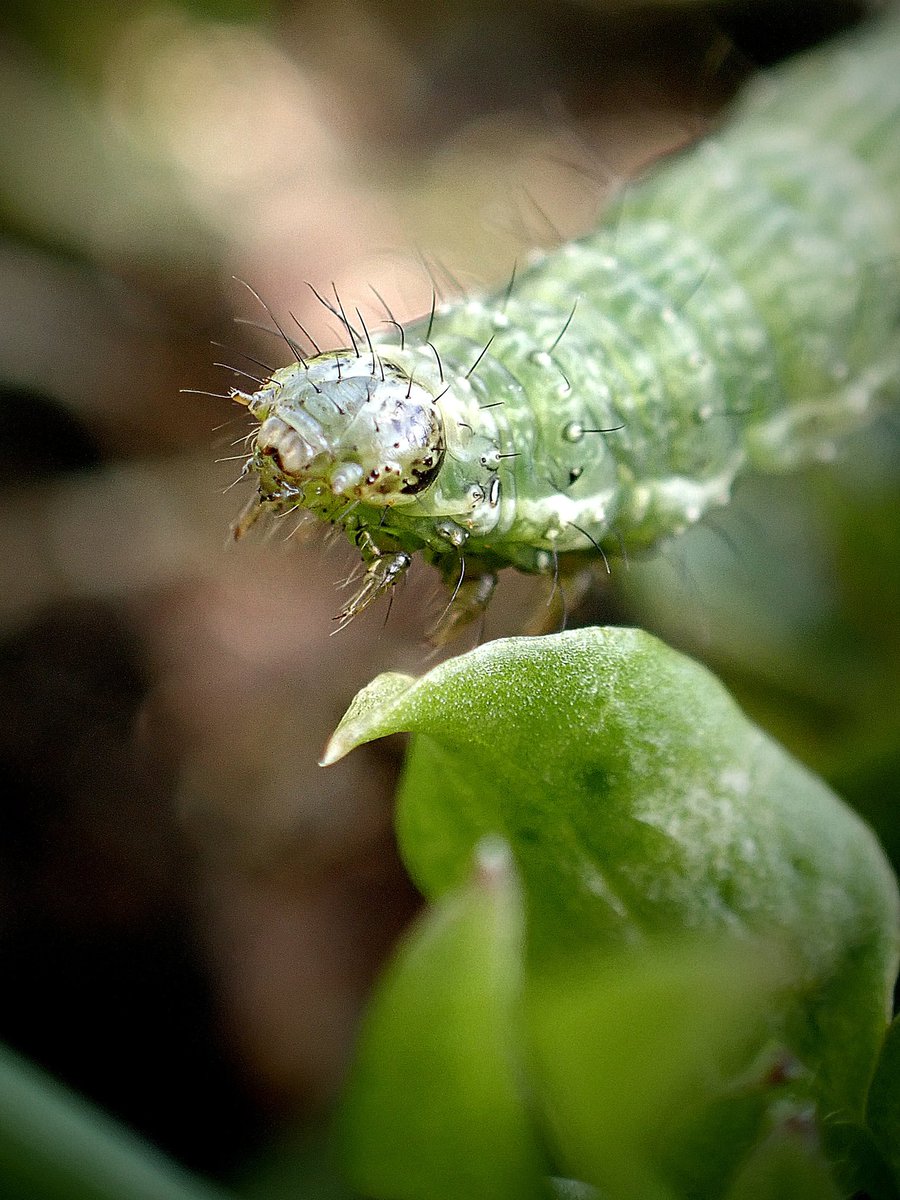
pixel 426 475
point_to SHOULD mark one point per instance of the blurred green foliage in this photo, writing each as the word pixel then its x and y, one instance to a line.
pixel 55 1146
pixel 639 805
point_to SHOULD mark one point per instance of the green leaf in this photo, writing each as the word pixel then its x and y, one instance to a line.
pixel 56 1146
pixel 637 799
pixel 883 1108
pixel 434 1109
pixel 788 1166
pixel 634 1058
pixel 859 1166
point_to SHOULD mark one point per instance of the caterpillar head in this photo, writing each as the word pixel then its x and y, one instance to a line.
pixel 333 429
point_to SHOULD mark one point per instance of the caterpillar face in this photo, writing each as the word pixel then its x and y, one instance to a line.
pixel 340 427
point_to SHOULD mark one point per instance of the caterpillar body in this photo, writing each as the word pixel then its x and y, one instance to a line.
pixel 738 309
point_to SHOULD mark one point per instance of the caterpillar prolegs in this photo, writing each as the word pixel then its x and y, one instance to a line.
pixel 738 309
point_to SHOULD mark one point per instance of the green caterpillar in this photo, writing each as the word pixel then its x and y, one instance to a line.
pixel 738 309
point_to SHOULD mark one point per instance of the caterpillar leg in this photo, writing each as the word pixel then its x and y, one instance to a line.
pixel 471 596
pixel 569 588
pixel 257 507
pixel 247 518
pixel 383 571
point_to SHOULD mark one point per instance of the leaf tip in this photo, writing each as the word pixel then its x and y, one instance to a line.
pixel 368 717
pixel 334 751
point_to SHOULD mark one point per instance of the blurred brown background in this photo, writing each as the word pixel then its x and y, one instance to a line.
pixel 191 910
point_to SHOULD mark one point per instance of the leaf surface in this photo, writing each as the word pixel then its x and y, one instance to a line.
pixel 638 801
pixel 435 1108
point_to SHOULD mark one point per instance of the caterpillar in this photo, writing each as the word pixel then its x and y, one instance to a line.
pixel 737 309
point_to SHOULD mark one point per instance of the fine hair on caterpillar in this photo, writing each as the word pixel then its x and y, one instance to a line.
pixel 724 318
